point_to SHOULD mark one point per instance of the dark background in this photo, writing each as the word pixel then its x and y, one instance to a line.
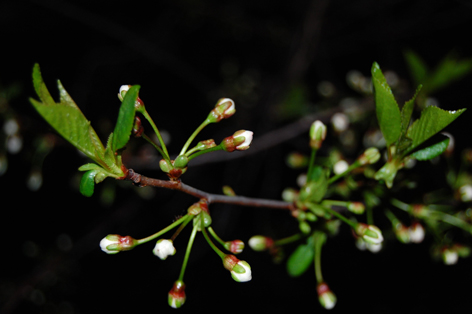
pixel 186 55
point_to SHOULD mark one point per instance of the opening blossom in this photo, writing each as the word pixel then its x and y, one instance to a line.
pixel 114 243
pixel 164 248
pixel 240 270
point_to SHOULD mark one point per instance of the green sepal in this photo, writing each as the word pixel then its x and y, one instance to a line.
pixel 301 259
pixel 66 118
pixel 433 147
pixel 125 121
pixel 388 112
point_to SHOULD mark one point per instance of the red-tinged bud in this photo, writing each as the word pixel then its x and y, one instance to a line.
pixel 326 297
pixel 235 246
pixel 224 109
pixel 261 243
pixel 114 243
pixel 357 208
pixel 197 208
pixel 139 105
pixel 202 145
pixel 176 297
pixel 240 270
pixel 402 232
pixel 417 233
pixel 370 156
pixel 240 140
pixel 138 128
pixel 369 233
pixel 419 210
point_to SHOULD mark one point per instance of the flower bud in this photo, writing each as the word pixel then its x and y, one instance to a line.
pixel 235 246
pixel 465 193
pixel 369 233
pixel 402 232
pixel 206 144
pixel 260 243
pixel 357 208
pixel 165 166
pixel 449 256
pixel 164 248
pixel 370 156
pixel 340 122
pixel 326 296
pixel 317 134
pixel 340 167
pixel 240 140
pixel 139 105
pixel 240 270
pixel 181 161
pixel 416 231
pixel 224 109
pixel 176 297
pixel 114 243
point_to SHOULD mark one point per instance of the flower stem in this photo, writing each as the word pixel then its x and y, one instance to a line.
pixel 192 137
pixel 355 165
pixel 319 239
pixel 169 227
pixel 338 215
pixel 212 245
pixel 288 240
pixel 187 252
pixel 311 163
pixel 156 130
pixel 217 238
pixel 157 147
pixel 212 149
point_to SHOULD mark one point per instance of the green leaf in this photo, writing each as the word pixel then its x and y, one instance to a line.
pixel 87 183
pixel 431 121
pixel 407 111
pixel 125 122
pixel 433 147
pixel 315 188
pixel 301 259
pixel 66 118
pixel 388 113
pixel 450 69
pixel 418 68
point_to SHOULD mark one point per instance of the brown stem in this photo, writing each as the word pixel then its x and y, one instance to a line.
pixel 141 180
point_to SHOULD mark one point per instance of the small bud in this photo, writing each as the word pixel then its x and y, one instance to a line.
pixel 240 270
pixel 357 208
pixel 206 144
pixel 228 191
pixel 197 208
pixel 138 128
pixel 449 256
pixel 114 243
pixel 402 232
pixel 181 161
pixel 317 134
pixel 165 166
pixel 326 296
pixel 370 156
pixel 260 243
pixel 176 297
pixel 465 193
pixel 235 246
pixel 296 160
pixel 340 122
pixel 224 109
pixel 416 232
pixel 240 140
pixel 289 195
pixel 164 248
pixel 340 167
pixel 369 233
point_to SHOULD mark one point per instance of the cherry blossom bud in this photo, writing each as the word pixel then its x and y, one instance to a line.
pixel 224 109
pixel 317 134
pixel 235 246
pixel 369 233
pixel 240 270
pixel 165 166
pixel 370 156
pixel 340 167
pixel 176 297
pixel 114 243
pixel 449 256
pixel 164 248
pixel 260 243
pixel 340 122
pixel 357 208
pixel 402 232
pixel 181 161
pixel 465 193
pixel 326 296
pixel 240 140
pixel 417 233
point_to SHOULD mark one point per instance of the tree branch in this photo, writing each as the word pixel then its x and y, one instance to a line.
pixel 142 181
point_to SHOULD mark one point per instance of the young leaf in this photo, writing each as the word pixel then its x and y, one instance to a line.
pixel 301 259
pixel 433 147
pixel 388 113
pixel 450 69
pixel 431 121
pixel 125 121
pixel 87 183
pixel 66 118
pixel 407 110
pixel 418 69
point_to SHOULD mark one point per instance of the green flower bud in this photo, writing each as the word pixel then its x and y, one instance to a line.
pixel 317 134
pixel 181 161
pixel 370 156
pixel 176 296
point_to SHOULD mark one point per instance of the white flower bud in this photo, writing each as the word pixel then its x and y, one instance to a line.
pixel 164 248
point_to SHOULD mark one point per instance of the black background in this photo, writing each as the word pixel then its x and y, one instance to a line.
pixel 185 55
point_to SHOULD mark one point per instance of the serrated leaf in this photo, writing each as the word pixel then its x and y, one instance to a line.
pixel 125 121
pixel 66 118
pixel 431 122
pixel 430 151
pixel 407 111
pixel 301 259
pixel 388 112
